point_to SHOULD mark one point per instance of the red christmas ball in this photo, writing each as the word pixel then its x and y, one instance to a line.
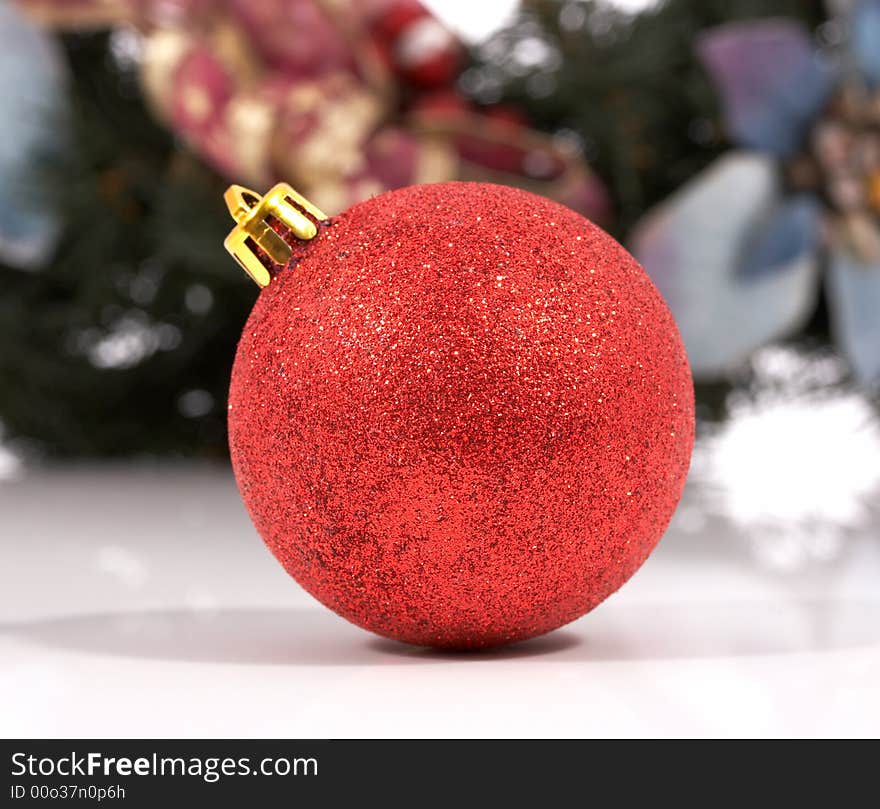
pixel 461 416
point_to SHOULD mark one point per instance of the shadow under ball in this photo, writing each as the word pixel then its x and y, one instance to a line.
pixel 461 415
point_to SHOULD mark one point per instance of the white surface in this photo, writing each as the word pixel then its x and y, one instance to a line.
pixel 140 603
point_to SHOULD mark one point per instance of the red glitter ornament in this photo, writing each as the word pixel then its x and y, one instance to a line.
pixel 461 415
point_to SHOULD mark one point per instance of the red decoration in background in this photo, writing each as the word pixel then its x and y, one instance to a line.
pixel 339 98
pixel 294 38
pixel 416 46
pixel 462 415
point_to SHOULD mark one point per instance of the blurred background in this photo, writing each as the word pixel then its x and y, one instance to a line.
pixel 733 146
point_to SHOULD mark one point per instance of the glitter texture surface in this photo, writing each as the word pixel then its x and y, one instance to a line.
pixel 462 416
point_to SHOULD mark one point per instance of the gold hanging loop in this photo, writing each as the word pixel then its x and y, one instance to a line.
pixel 255 215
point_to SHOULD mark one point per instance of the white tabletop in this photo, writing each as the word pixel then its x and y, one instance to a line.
pixel 139 602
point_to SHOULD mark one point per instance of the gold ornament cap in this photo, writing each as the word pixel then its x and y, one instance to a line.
pixel 255 216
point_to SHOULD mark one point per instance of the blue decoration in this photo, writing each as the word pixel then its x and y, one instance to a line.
pixel 32 108
pixel 866 39
pixel 735 259
pixel 772 81
pixel 854 297
pixel 791 232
